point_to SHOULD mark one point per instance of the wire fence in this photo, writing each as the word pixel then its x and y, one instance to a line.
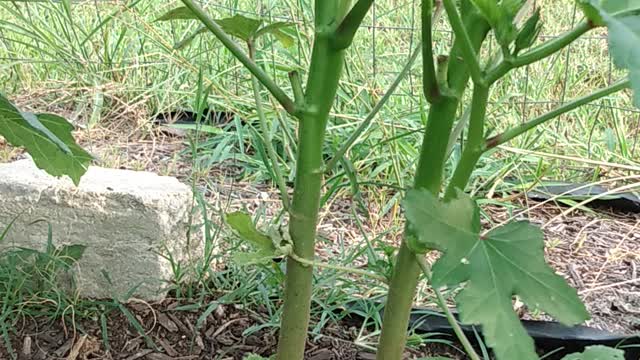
pixel 382 48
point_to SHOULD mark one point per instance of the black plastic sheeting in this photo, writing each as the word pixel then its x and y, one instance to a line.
pixel 622 202
pixel 551 338
pixel 208 116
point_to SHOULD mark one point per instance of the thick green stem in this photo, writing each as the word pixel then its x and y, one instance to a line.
pixel 519 130
pixel 429 78
pixel 467 47
pixel 428 176
pixel 347 30
pixel 475 142
pixel 245 59
pixel 322 84
pixel 296 86
pixel 264 128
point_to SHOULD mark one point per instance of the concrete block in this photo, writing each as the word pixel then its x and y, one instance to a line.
pixel 129 221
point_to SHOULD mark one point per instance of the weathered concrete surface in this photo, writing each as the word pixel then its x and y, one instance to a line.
pixel 127 220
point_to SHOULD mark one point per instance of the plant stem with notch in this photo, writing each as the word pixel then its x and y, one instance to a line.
pixel 475 142
pixel 322 85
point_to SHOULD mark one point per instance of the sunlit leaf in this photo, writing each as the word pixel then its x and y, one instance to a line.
pixel 189 38
pixel 242 224
pixel 70 254
pixel 240 26
pixel 500 15
pixel 279 31
pixel 529 33
pixel 181 13
pixel 252 258
pixel 47 138
pixel 505 262
pixel 597 353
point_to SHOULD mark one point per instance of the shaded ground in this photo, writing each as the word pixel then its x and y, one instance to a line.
pixel 597 252
pixel 173 334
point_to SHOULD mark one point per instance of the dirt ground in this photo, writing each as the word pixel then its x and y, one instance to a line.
pixel 598 253
pixel 172 334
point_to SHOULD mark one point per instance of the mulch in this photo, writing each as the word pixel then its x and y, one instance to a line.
pixel 597 252
pixel 173 334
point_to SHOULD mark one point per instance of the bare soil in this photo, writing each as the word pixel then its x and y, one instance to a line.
pixel 172 334
pixel 597 252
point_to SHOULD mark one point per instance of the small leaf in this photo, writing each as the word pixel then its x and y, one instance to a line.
pixel 507 261
pixel 500 15
pixel 529 33
pixel 254 357
pixel 189 38
pixel 201 128
pixel 240 26
pixel 71 253
pixel 181 13
pixel 278 30
pixel 253 258
pixel 597 352
pixel 47 138
pixel 242 224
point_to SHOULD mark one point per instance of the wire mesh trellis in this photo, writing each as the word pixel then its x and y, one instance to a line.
pixel 389 34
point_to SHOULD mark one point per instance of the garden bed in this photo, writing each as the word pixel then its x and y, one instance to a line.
pixel 597 251
pixel 180 334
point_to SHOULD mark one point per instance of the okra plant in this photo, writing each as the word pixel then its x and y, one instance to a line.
pixel 490 267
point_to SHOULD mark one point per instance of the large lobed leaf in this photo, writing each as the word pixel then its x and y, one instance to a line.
pixel 505 262
pixel 47 138
pixel 622 18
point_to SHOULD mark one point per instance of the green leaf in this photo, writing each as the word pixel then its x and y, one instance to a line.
pixel 597 353
pixel 500 15
pixel 201 128
pixel 278 30
pixel 242 224
pixel 253 258
pixel 255 357
pixel 529 33
pixel 71 253
pixel 240 26
pixel 47 138
pixel 189 38
pixel 181 13
pixel 505 262
pixel 622 19
pixel 431 220
pixel 593 9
